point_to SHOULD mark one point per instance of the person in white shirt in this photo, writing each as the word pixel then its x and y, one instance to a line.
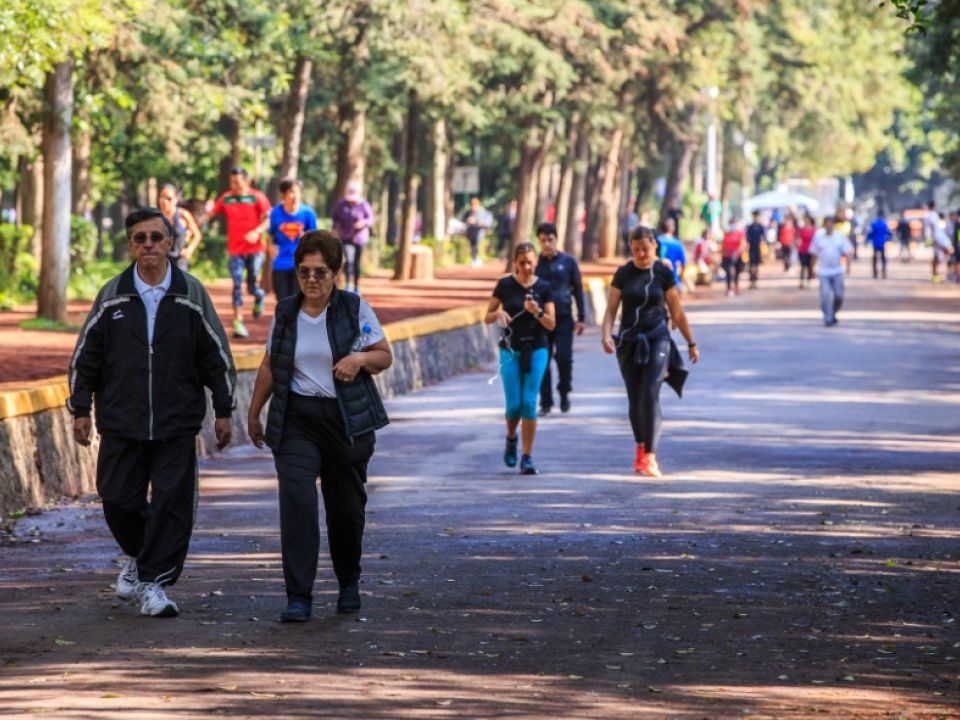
pixel 325 345
pixel 832 249
pixel 934 232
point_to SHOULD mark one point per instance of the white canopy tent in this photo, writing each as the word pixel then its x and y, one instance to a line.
pixel 781 199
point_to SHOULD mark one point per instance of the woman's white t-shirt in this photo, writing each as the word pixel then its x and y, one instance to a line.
pixel 313 358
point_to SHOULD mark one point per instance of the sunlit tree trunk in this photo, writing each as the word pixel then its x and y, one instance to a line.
pixel 679 162
pixel 578 188
pixel 434 214
pixel 294 111
pixel 610 197
pixel 55 255
pixel 351 163
pixel 411 182
pixel 81 173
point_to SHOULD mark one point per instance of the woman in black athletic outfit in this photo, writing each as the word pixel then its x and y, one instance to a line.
pixel 645 351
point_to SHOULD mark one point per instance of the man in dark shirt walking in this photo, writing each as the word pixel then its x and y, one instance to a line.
pixel 562 272
pixel 756 236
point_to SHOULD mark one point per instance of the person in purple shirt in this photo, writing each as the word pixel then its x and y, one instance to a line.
pixel 352 218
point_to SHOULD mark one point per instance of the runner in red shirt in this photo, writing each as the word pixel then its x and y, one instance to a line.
pixel 788 231
pixel 732 250
pixel 805 239
pixel 247 211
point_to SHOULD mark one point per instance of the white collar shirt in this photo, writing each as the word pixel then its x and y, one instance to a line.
pixel 151 296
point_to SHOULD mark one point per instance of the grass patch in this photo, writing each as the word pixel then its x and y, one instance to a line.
pixel 48 325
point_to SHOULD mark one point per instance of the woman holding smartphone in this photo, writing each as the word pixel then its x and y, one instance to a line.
pixel 522 304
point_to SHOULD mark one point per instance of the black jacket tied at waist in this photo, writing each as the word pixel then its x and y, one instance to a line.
pixel 639 347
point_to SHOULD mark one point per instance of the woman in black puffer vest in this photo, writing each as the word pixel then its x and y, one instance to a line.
pixel 324 346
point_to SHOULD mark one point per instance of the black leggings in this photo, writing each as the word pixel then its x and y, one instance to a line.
pixel 733 267
pixel 643 384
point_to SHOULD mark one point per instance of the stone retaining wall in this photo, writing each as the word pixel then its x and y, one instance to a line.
pixel 39 460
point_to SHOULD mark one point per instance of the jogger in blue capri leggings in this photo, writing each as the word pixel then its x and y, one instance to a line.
pixel 522 304
pixel 520 389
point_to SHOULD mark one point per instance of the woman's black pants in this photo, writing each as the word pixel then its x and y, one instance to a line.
pixel 643 389
pixel 314 443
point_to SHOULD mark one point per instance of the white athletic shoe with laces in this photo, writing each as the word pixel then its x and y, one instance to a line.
pixel 128 579
pixel 154 601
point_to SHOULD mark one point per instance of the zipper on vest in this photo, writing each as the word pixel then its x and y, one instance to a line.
pixel 150 388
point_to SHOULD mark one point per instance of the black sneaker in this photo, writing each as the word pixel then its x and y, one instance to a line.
pixel 527 467
pixel 565 404
pixel 348 601
pixel 544 410
pixel 297 611
pixel 510 452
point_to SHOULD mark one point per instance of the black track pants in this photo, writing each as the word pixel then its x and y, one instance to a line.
pixel 314 444
pixel 560 345
pixel 155 531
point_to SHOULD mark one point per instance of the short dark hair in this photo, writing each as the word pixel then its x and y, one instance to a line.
pixel 238 171
pixel 546 229
pixel 148 213
pixel 323 242
pixel 642 233
pixel 287 184
pixel 523 248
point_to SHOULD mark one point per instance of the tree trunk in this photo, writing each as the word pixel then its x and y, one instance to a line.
pixel 544 197
pixel 55 258
pixel 230 128
pixel 610 197
pixel 566 183
pixel 411 183
pixel 532 153
pixel 679 162
pixel 393 189
pixel 578 188
pixel 353 135
pixel 31 180
pixel 434 212
pixel 591 234
pixel 294 110
pixel 81 173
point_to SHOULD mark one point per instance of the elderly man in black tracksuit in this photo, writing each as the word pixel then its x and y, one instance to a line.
pixel 149 346
pixel 562 272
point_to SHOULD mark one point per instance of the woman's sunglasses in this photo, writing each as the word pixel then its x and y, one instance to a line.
pixel 320 274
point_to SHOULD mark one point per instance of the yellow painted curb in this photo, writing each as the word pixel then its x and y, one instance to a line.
pixel 34 397
pixel 51 393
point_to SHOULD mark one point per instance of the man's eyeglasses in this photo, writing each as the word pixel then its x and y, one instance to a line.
pixel 141 237
pixel 320 274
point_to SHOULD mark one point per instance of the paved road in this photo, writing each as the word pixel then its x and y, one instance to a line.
pixel 799 559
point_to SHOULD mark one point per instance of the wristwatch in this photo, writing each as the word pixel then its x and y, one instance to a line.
pixel 540 314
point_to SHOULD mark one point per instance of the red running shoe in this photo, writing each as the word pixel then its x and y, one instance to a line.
pixel 640 464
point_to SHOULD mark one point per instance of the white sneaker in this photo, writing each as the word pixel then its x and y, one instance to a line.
pixel 154 601
pixel 128 579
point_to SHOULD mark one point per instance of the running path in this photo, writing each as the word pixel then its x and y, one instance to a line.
pixel 799 560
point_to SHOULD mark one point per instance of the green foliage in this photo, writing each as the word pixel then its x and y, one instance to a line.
pixel 85 284
pixel 83 243
pixel 20 286
pixel 48 325
pixel 13 240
